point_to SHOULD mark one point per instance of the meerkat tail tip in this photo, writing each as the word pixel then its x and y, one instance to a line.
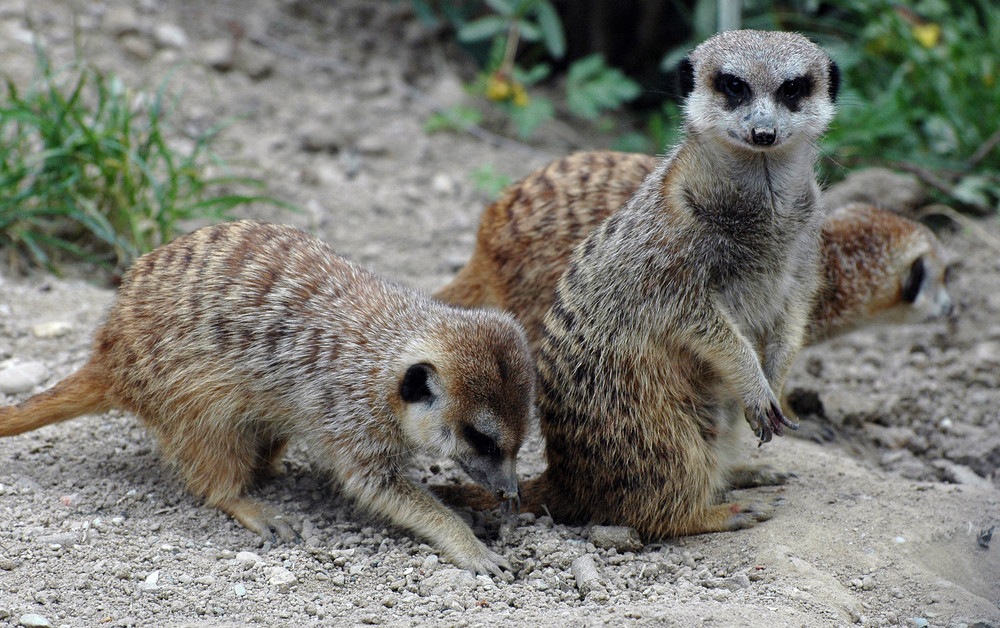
pixel 82 392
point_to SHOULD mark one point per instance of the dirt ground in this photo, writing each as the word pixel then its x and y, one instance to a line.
pixel 896 473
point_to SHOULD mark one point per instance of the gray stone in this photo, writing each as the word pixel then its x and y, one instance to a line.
pixel 137 46
pixel 121 19
pixel 281 578
pixel 23 377
pixel 31 620
pixel 621 538
pixel 247 559
pixel 254 61
pixel 217 54
pixel 64 538
pixel 168 35
pixel 52 329
pixel 449 580
pixel 585 573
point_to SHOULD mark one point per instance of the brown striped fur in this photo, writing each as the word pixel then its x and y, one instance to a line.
pixel 525 239
pixel 683 310
pixel 230 341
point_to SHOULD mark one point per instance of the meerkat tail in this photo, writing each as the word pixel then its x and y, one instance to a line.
pixel 535 496
pixel 83 392
pixel 465 496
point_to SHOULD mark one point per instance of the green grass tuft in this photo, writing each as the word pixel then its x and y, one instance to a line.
pixel 87 172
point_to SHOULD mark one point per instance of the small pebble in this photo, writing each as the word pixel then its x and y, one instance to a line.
pixel 281 577
pixel 53 329
pixel 621 538
pixel 240 590
pixel 169 36
pixel 247 559
pixel 585 573
pixel 34 621
pixel 150 583
pixel 21 378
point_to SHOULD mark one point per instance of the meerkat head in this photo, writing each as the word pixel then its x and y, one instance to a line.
pixel 467 392
pixel 921 271
pixel 757 90
pixel 893 270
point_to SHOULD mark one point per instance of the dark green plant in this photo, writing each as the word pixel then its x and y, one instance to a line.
pixel 88 169
pixel 921 88
pixel 592 87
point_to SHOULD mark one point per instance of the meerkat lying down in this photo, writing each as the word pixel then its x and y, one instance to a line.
pixel 232 340
pixel 877 266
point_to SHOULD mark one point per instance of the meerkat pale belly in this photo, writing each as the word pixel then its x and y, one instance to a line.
pixel 232 340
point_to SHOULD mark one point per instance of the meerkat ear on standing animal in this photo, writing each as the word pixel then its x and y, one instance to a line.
pixel 232 340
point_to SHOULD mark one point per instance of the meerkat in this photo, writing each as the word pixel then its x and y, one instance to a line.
pixel 525 238
pixel 232 340
pixel 879 267
pixel 683 310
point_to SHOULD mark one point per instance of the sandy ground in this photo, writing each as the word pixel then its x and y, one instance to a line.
pixel 896 476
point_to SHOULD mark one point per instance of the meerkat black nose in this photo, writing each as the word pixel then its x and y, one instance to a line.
pixel 763 136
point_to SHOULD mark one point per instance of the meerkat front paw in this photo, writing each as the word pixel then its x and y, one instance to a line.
pixel 767 421
pixel 485 561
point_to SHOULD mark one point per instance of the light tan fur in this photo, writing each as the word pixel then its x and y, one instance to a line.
pixel 237 338
pixel 684 309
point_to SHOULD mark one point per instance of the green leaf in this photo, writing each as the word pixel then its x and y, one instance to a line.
pixel 483 28
pixel 487 180
pixel 530 116
pixel 592 87
pixel 505 8
pixel 552 30
pixel 457 118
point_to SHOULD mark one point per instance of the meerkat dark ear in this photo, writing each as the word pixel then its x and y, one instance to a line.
pixel 911 287
pixel 834 81
pixel 685 77
pixel 414 387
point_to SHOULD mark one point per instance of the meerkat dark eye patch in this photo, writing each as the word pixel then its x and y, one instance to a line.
pixel 911 287
pixel 483 444
pixel 735 89
pixel 792 91
pixel 414 388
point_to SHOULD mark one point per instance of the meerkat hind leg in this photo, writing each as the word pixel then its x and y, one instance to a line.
pixel 257 517
pixel 727 517
pixel 220 465
pixel 752 476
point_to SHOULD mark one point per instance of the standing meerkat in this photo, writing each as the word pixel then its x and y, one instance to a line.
pixel 684 310
pixel 232 340
pixel 870 256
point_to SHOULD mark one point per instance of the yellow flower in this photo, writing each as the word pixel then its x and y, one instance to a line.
pixel 927 34
pixel 520 95
pixel 498 88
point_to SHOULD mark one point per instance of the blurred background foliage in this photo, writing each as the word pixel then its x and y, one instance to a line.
pixel 921 90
